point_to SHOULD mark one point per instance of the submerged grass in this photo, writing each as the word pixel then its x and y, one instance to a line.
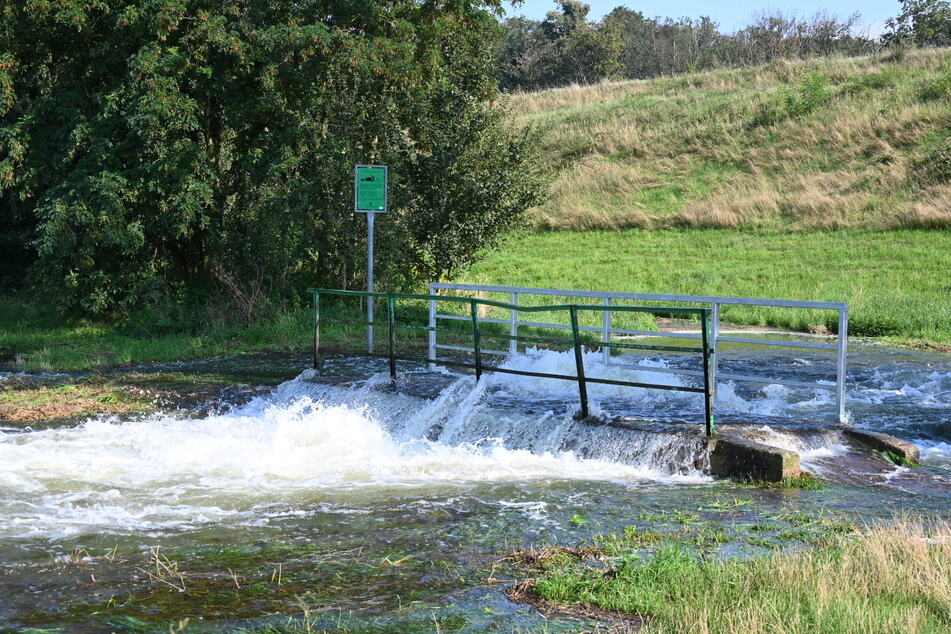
pixel 894 577
pixel 804 481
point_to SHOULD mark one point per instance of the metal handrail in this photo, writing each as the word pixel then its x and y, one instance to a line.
pixel 715 302
pixel 479 366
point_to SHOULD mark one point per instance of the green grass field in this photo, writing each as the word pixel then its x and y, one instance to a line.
pixel 825 179
pixel 897 283
pixel 34 337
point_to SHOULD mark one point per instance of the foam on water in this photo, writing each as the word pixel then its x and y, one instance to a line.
pixel 308 446
pixel 933 453
pixel 301 446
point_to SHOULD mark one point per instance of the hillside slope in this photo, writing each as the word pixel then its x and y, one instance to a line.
pixel 828 143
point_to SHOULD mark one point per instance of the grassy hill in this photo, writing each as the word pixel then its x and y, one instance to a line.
pixel 830 143
pixel 825 180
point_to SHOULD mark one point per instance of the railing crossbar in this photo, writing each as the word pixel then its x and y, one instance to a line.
pixel 609 305
pixel 577 341
pixel 699 299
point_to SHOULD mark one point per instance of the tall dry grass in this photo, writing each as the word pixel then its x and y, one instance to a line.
pixel 850 162
pixel 896 577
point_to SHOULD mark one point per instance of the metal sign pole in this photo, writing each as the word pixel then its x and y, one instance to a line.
pixel 370 197
pixel 370 216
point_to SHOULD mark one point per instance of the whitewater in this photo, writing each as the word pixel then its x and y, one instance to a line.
pixel 308 444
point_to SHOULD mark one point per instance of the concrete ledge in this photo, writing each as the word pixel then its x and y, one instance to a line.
pixel 742 459
pixel 884 442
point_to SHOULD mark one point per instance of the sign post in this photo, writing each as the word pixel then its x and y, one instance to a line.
pixel 370 197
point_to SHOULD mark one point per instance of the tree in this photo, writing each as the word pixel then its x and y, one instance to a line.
pixel 922 22
pixel 566 48
pixel 156 143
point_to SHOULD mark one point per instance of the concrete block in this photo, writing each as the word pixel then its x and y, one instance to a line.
pixel 742 459
pixel 884 442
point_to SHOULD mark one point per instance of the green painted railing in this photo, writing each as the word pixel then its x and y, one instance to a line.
pixel 572 310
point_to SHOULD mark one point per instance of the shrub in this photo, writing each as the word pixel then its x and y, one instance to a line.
pixel 811 93
pixel 940 88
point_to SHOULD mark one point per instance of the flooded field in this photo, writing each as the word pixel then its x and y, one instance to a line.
pixel 351 504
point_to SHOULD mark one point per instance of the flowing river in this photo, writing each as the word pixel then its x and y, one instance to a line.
pixel 361 505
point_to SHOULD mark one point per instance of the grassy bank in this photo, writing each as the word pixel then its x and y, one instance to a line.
pixel 35 338
pixel 794 145
pixel 892 578
pixel 896 282
pixel 825 179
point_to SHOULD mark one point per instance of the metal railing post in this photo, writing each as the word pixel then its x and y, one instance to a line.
pixel 714 336
pixel 606 333
pixel 708 392
pixel 391 325
pixel 476 347
pixel 840 372
pixel 513 325
pixel 432 329
pixel 316 297
pixel 579 362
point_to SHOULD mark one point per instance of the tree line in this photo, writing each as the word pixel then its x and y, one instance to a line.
pixel 566 47
pixel 155 149
pixel 150 148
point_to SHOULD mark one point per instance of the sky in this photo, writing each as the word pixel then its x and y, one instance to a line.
pixel 729 15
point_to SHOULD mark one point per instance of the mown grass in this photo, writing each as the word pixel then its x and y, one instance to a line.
pixel 892 578
pixel 896 282
pixel 817 144
pixel 35 337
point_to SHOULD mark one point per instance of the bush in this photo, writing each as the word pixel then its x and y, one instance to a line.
pixel 940 88
pixel 151 147
pixel 870 81
pixel 811 93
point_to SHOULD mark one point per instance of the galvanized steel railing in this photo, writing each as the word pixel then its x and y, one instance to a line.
pixel 714 302
pixel 705 350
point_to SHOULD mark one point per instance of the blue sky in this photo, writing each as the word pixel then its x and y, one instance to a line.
pixel 730 15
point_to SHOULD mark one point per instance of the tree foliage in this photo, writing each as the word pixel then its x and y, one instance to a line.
pixel 568 48
pixel 148 144
pixel 563 48
pixel 921 22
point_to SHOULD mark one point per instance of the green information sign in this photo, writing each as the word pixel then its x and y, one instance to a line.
pixel 370 188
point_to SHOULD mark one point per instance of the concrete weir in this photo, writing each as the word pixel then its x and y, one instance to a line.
pixel 749 452
pixel 739 458
pixel 884 442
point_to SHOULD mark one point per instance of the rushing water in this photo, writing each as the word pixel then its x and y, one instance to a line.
pixel 372 497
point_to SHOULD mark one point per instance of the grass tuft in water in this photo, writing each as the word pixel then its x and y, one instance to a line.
pixel 804 481
pixel 893 457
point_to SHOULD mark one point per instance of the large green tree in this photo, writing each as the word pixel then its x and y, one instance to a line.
pixel 153 143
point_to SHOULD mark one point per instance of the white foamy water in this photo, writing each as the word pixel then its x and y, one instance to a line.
pixel 934 453
pixel 308 446
pixel 764 400
pixel 296 448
